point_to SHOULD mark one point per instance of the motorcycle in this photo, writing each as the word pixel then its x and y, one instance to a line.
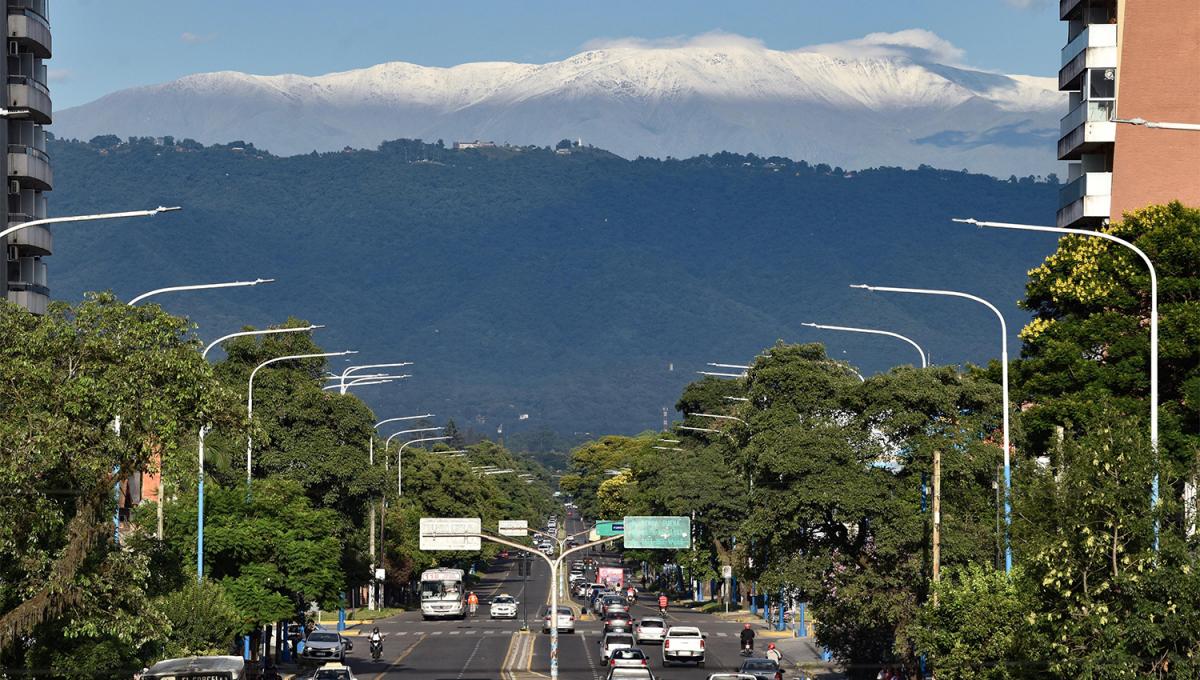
pixel 630 599
pixel 747 647
pixel 376 649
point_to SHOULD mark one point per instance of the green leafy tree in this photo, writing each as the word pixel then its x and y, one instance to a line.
pixel 202 619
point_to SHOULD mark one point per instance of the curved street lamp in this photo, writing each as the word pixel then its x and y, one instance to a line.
pixel 1004 393
pixel 872 331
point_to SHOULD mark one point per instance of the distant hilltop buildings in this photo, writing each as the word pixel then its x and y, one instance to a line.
pixel 459 146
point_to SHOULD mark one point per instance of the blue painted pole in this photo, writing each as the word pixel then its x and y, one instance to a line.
pixel 246 647
pixel 803 630
pixel 782 600
pixel 766 600
pixel 753 601
pixel 117 497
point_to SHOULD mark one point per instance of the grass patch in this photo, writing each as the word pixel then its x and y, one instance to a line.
pixel 383 612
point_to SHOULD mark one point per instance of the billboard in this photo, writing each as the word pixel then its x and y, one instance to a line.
pixel 606 528
pixel 513 527
pixel 447 533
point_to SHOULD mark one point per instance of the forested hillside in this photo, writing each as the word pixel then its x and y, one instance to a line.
pixel 579 288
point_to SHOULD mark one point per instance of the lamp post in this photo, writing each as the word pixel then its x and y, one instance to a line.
pixel 400 453
pixel 380 379
pixel 250 394
pixel 872 331
pixel 1191 127
pixel 1004 394
pixel 200 286
pixel 351 369
pixel 1153 326
pixel 87 218
pixel 204 430
pixel 178 289
pixel 371 506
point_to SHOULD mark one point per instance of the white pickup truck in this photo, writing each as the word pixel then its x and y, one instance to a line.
pixel 683 643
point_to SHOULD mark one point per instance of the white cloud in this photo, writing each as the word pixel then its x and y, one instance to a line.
pixel 917 44
pixel 716 39
pixel 196 38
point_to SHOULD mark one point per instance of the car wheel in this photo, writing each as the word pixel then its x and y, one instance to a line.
pixel 699 664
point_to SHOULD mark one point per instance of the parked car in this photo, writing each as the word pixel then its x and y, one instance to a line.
pixel 566 620
pixel 683 643
pixel 614 621
pixel 651 629
pixel 761 669
pixel 324 645
pixel 627 657
pixel 334 671
pixel 612 642
pixel 503 607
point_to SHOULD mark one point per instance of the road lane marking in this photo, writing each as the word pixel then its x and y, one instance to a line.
pixel 470 658
pixel 436 632
pixel 400 658
pixel 454 632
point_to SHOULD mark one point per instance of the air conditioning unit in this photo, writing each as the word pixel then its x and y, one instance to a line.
pixel 13 48
pixel 13 255
pixel 14 187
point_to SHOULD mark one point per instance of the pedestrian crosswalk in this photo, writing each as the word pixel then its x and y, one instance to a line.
pixel 486 631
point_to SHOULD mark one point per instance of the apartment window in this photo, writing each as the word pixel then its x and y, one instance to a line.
pixel 1102 83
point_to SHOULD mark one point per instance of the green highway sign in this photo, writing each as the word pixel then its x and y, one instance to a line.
pixel 608 528
pixel 658 532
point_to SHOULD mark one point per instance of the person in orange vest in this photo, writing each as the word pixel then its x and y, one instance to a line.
pixel 662 603
pixel 473 602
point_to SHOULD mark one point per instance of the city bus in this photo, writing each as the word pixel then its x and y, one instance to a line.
pixel 443 594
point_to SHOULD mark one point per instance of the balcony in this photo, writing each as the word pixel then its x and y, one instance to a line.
pixel 1095 47
pixel 27 93
pixel 30 166
pixel 36 240
pixel 1067 7
pixel 30 30
pixel 36 301
pixel 1087 201
pixel 1086 129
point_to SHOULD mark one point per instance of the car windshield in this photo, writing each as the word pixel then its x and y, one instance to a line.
pixel 628 654
pixel 651 624
pixel 758 665
pixel 330 674
pixel 322 637
pixel 629 673
pixel 613 616
pixel 619 640
pixel 502 599
pixel 684 633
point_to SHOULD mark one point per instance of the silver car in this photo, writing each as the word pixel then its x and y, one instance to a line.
pixel 324 645
pixel 566 620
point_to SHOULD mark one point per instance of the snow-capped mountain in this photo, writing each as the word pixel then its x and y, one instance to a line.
pixel 855 110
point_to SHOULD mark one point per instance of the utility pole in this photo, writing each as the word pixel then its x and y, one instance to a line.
pixel 937 519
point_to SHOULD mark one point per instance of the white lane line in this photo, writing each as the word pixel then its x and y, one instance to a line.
pixel 436 632
pixel 454 632
pixel 587 653
pixel 469 659
pixel 722 634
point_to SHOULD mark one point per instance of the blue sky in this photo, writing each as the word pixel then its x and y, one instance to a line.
pixel 106 45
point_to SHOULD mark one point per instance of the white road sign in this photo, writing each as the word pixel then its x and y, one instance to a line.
pixel 513 527
pixel 726 572
pixel 447 533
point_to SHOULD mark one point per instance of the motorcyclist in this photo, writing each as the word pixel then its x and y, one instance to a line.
pixel 773 653
pixel 376 642
pixel 662 603
pixel 747 637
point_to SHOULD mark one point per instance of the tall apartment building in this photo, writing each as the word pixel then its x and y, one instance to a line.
pixel 26 164
pixel 1128 59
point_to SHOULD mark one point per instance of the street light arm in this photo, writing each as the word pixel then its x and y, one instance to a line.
pixel 1191 127
pixel 202 286
pixel 388 441
pixel 270 331
pixel 86 218
pixel 290 357
pixel 717 416
pixel 873 331
pixel 393 420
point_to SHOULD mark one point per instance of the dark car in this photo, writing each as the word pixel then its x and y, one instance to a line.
pixel 324 645
pixel 618 621
pixel 762 669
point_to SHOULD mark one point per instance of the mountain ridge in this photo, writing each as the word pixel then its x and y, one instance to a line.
pixel 635 101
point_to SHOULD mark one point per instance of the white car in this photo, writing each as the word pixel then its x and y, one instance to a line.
pixel 503 607
pixel 683 643
pixel 613 642
pixel 566 620
pixel 651 629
